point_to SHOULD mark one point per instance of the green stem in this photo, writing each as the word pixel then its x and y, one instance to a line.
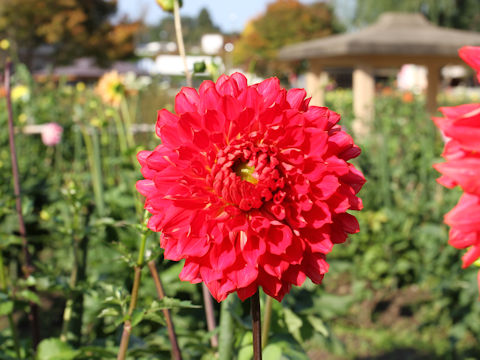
pixel 93 154
pixel 127 119
pixel 227 336
pixel 267 317
pixel 122 141
pixel 13 329
pixel 127 325
pixel 73 314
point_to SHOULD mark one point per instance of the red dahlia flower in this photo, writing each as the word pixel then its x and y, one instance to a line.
pixel 251 186
pixel 461 127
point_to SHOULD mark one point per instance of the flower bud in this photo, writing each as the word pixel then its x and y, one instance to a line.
pixel 167 5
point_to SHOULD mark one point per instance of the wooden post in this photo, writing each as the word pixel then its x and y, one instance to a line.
pixel 433 78
pixel 363 98
pixel 316 80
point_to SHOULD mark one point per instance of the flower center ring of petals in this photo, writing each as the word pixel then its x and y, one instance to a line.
pixel 245 174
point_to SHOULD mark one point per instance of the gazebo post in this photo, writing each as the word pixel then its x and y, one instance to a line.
pixel 433 78
pixel 363 98
pixel 316 79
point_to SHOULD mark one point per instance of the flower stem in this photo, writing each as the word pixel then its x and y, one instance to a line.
pixel 13 329
pixel 209 314
pixel 267 317
pixel 181 46
pixel 28 267
pixel 127 325
pixel 227 338
pixel 176 354
pixel 256 326
pixel 93 154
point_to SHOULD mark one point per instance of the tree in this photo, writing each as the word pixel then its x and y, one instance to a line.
pixel 284 22
pixel 460 14
pixel 192 27
pixel 71 28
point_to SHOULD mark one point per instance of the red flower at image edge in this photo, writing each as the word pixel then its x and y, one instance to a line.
pixel 250 186
pixel 461 128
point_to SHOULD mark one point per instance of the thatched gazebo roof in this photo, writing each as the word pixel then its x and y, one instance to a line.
pixel 395 39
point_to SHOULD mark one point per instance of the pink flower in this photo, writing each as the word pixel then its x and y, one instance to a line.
pixel 51 134
pixel 251 186
pixel 461 126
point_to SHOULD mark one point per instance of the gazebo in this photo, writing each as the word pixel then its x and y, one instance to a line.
pixel 395 39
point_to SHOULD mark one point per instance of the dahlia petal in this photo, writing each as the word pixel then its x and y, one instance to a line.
pixel 294 275
pixel 315 267
pixel 462 240
pixel 165 117
pixel 142 156
pixel 248 291
pixel 187 100
pixel 145 187
pixel 452 113
pixel 280 237
pixel 270 284
pixel 464 172
pixel 465 216
pixel 229 87
pixel 470 256
pixel 349 223
pixel 471 55
pixel 318 142
pixel 190 272
pixel 295 97
pixel 327 186
pixel 317 116
pixel 240 79
pixel 269 89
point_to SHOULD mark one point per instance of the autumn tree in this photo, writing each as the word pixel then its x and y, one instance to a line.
pixel 69 28
pixel 284 22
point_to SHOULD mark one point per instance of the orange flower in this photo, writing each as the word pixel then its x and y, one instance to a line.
pixel 407 97
pixel 111 88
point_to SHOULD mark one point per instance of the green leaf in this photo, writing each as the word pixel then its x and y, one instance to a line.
pixel 6 307
pixel 294 323
pixel 137 316
pixel 272 352
pixel 171 303
pixel 29 295
pixel 108 312
pixel 54 349
pixel 318 325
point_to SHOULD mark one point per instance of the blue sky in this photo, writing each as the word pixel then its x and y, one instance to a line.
pixel 230 15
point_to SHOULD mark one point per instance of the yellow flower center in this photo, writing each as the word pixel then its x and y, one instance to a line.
pixel 245 172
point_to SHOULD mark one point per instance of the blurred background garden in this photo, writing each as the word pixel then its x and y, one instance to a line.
pixel 101 69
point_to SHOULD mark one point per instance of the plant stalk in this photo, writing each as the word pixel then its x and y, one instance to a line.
pixel 227 336
pixel 11 322
pixel 181 46
pixel 267 317
pixel 27 267
pixel 127 325
pixel 256 326
pixel 176 354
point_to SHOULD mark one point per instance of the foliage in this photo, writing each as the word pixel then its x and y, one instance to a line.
pixel 69 28
pixel 284 22
pixel 394 290
pixel 400 266
pixel 460 14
